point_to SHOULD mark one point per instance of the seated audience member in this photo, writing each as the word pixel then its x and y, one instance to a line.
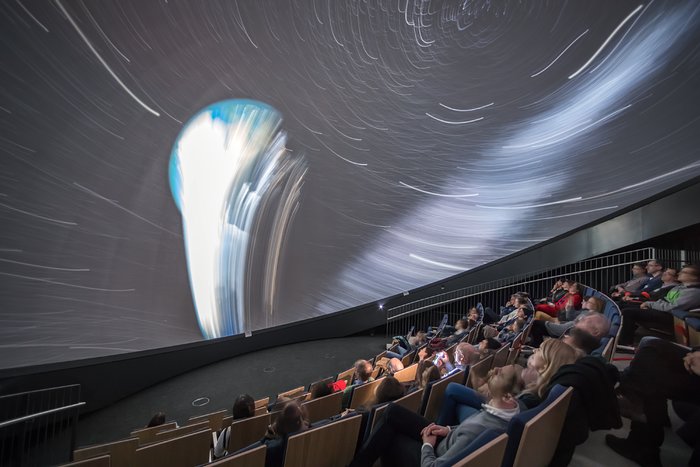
pixel 292 419
pixel 541 329
pixel 654 270
pixel 508 334
pixel 639 278
pixel 487 347
pixel 157 420
pixel 390 389
pixel 658 313
pixel 465 355
pixel 393 366
pixel 593 404
pixel 581 340
pixel 669 279
pixel 572 298
pixel 561 287
pixel 243 407
pixel 660 371
pixel 510 305
pixel 461 329
pixel 404 438
pixel 426 372
pixel 546 360
pixel 363 372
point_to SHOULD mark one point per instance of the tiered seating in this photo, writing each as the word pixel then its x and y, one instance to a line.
pixel 331 445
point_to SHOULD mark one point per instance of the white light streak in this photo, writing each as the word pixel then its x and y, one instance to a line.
pixel 467 110
pixel 437 263
pixel 590 60
pixel 558 56
pixel 454 123
pixel 470 195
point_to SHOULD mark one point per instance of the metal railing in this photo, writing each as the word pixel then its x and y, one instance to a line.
pixel 39 427
pixel 600 272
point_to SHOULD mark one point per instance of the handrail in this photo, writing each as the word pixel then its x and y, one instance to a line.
pixel 39 414
pixel 40 390
pixel 512 281
pixel 481 292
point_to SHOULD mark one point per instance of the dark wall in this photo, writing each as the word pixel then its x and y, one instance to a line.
pixel 108 379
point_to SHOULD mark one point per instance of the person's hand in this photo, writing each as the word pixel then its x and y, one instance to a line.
pixel 627 298
pixel 644 305
pixel 427 436
pixel 439 431
pixel 615 294
pixel 692 362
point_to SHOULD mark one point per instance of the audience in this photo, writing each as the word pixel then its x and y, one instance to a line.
pixel 639 279
pixel 389 390
pixel 243 407
pixel 669 279
pixel 685 296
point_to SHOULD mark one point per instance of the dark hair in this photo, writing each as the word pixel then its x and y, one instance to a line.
pixel 423 365
pixel 492 343
pixel 292 418
pixel 389 390
pixel 243 407
pixel 583 340
pixel 660 263
pixel 321 390
pixel 157 419
pixel 693 267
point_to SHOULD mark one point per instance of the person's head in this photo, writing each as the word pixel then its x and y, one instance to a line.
pixel 574 288
pixel 504 382
pixel 654 267
pixel 156 420
pixel 363 370
pixel 465 354
pixel 389 390
pixel 551 355
pixel 320 390
pixel 558 283
pixel 595 304
pixel 473 314
pixel 423 367
pixel 581 340
pixel 243 407
pixel 669 276
pixel 565 283
pixel 291 419
pixel 595 324
pixel 638 270
pixel 430 373
pixel 519 301
pixel 489 343
pixel 689 274
pixel 461 324
pixel 419 339
pixel 394 365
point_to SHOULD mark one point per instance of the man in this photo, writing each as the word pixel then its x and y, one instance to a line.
pixel 660 370
pixel 639 278
pixel 658 313
pixel 669 279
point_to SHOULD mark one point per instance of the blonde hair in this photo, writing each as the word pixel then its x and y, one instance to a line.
pixel 502 383
pixel 555 354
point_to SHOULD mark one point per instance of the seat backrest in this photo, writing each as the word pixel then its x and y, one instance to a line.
pixel 321 382
pixel 500 357
pixel 324 407
pixel 411 401
pixel 250 458
pixel 215 419
pixel 330 445
pixel 185 451
pixel 262 402
pixel 478 371
pixel 512 356
pixel 364 394
pixel 121 452
pixel 485 451
pixel 408 374
pixel 259 411
pixel 408 358
pixel 148 435
pixel 101 461
pixel 292 393
pixel 247 431
pixel 436 394
pixel 346 375
pixel 183 430
pixel 534 434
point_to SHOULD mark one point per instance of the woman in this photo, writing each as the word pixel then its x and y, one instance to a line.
pixel 425 373
pixel 291 419
pixel 404 438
